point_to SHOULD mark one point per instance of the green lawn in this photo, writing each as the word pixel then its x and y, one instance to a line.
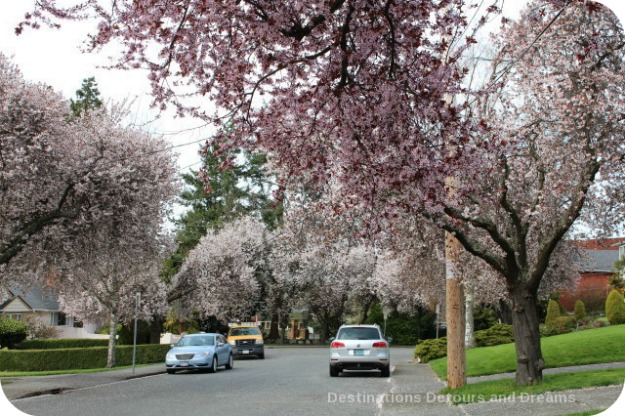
pixel 590 346
pixel 498 389
pixel 9 374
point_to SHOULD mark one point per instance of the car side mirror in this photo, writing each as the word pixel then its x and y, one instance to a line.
pixel 332 339
pixel 389 339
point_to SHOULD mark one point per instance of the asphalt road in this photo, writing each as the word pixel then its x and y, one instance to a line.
pixel 289 381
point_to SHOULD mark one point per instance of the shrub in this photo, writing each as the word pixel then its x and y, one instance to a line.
pixel 399 326
pixel 430 349
pixel 12 332
pixel 615 308
pixel 78 358
pixel 495 335
pixel 46 344
pixel 561 325
pixel 37 329
pixel 483 318
pixel 106 329
pixel 127 332
pixel 579 310
pixel 553 311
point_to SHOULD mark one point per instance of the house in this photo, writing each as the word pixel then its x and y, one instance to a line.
pixel 593 285
pixel 41 304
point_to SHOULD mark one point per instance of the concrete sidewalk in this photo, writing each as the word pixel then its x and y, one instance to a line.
pixel 415 390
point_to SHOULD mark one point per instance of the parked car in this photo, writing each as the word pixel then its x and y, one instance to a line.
pixel 246 340
pixel 360 347
pixel 199 351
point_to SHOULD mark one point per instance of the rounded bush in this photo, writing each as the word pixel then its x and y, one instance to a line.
pixel 579 310
pixel 615 308
pixel 12 332
pixel 495 335
pixel 553 311
pixel 430 349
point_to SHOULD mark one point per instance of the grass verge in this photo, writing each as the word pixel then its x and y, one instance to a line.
pixel 591 346
pixel 9 374
pixel 500 389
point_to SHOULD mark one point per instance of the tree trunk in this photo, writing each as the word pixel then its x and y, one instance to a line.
pixel 274 332
pixel 366 306
pixel 504 312
pixel 110 357
pixel 156 328
pixel 325 328
pixel 530 362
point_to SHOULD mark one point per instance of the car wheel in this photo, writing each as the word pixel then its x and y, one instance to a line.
pixel 230 363
pixel 334 371
pixel 171 371
pixel 213 367
pixel 386 371
pixel 261 356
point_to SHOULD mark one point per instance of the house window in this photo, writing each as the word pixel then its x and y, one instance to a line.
pixel 621 251
pixel 58 319
pixel 16 316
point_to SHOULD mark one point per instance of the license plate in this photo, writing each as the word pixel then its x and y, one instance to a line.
pixel 184 364
pixel 359 352
pixel 246 351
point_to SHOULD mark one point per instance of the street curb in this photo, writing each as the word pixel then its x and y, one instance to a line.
pixel 62 390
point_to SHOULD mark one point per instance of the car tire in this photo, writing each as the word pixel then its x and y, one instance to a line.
pixel 386 371
pixel 261 356
pixel 213 367
pixel 171 371
pixel 230 363
pixel 334 371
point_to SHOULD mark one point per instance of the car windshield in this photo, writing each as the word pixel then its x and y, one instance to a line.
pixel 358 333
pixel 235 332
pixel 196 341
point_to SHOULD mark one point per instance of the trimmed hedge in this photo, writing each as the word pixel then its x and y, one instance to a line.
pixel 78 358
pixel 48 344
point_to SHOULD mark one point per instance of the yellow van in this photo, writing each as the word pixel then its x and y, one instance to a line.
pixel 246 340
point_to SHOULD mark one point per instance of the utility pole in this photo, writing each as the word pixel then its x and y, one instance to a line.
pixel 454 312
pixel 134 343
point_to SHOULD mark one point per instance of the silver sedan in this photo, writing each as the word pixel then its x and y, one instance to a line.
pixel 199 351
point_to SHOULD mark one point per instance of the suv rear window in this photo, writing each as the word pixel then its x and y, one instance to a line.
pixel 358 333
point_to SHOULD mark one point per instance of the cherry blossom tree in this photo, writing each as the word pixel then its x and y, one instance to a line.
pixel 108 260
pixel 221 271
pixel 44 164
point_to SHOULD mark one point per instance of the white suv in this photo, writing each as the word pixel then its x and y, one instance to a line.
pixel 360 347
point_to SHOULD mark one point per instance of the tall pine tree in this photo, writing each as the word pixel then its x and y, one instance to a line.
pixel 242 189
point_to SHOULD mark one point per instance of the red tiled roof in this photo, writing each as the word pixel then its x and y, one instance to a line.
pixel 600 244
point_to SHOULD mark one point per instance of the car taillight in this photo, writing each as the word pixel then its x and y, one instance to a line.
pixel 336 344
pixel 380 345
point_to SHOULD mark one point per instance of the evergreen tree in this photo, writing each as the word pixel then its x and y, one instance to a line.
pixel 87 97
pixel 239 190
